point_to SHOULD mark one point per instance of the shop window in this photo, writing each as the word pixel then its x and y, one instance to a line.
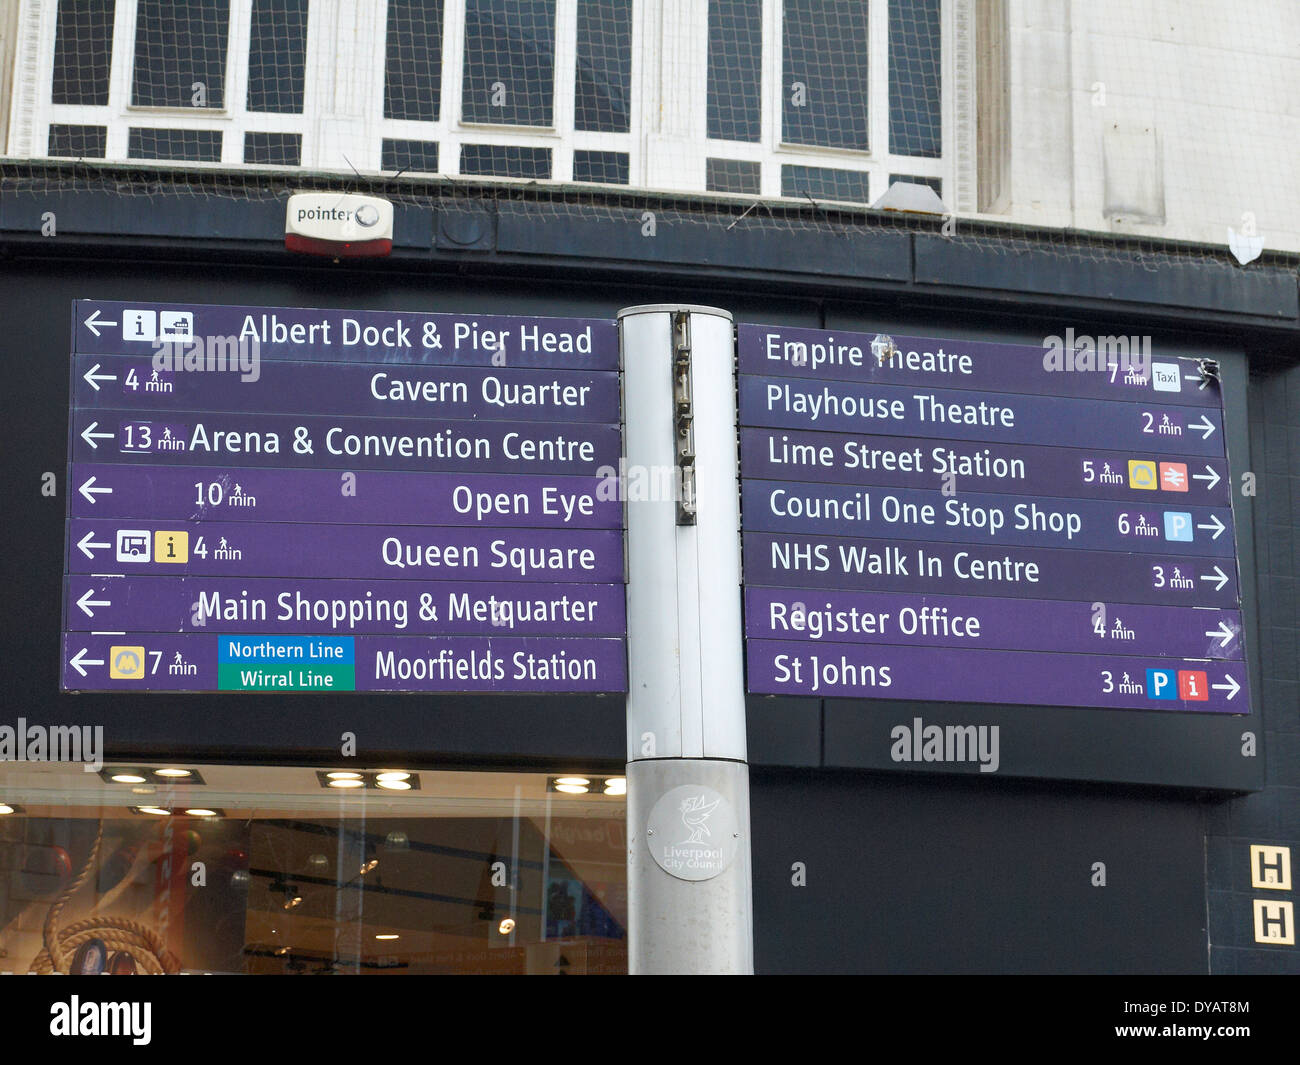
pixel 273 149
pixel 277 56
pixel 180 145
pixel 603 74
pixel 180 54
pixel 737 176
pixel 83 52
pixel 735 74
pixel 417 156
pixel 602 168
pixel 825 183
pixel 78 142
pixel 413 60
pixel 509 71
pixel 463 873
pixel 505 160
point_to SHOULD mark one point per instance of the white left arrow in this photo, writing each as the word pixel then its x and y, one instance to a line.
pixel 1204 424
pixel 79 659
pixel 85 602
pixel 95 320
pixel 1218 527
pixel 92 378
pixel 87 542
pixel 90 491
pixel 89 435
pixel 1232 687
pixel 1224 634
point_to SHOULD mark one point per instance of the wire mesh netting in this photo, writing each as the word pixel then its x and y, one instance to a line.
pixel 1124 126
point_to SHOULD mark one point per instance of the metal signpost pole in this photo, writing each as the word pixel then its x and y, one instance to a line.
pixel 689 876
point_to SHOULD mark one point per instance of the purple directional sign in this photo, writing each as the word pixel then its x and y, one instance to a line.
pixel 981 522
pixel 816 562
pixel 230 494
pixel 376 390
pixel 206 338
pixel 242 661
pixel 1027 678
pixel 269 549
pixel 947 414
pixel 826 617
pixel 905 462
pixel 316 442
pixel 298 499
pixel 340 606
pixel 854 510
pixel 1121 368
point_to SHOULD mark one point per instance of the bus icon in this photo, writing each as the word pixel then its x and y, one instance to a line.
pixel 133 545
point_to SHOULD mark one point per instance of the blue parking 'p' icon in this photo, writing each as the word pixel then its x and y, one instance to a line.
pixel 1162 684
pixel 1178 525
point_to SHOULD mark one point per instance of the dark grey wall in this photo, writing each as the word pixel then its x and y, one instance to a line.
pixel 904 873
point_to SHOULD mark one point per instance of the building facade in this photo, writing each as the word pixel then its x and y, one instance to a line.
pixel 562 159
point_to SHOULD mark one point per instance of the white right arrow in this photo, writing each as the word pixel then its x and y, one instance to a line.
pixel 1218 527
pixel 1210 474
pixel 85 602
pixel 79 659
pixel 95 320
pixel 1232 687
pixel 1219 574
pixel 89 435
pixel 91 378
pixel 87 542
pixel 89 491
pixel 1224 634
pixel 1203 423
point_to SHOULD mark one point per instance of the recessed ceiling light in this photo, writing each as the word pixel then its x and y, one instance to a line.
pixel 506 926
pixel 158 811
pixel 616 786
pixel 394 785
pixel 572 780
pixel 172 773
pixel 347 783
pixel 387 935
pixel 393 774
pixel 198 811
pixel 128 778
pixel 5 808
pixel 572 789
pixel 340 774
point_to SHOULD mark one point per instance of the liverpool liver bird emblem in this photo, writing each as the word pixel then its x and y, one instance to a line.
pixel 695 812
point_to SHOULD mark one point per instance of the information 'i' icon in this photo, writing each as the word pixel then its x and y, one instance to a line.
pixel 171 546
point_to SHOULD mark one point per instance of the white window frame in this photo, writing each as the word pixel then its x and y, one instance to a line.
pixel 34 111
pixel 772 152
pixel 343 127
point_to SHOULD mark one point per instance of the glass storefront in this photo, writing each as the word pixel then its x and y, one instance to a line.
pixel 271 869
